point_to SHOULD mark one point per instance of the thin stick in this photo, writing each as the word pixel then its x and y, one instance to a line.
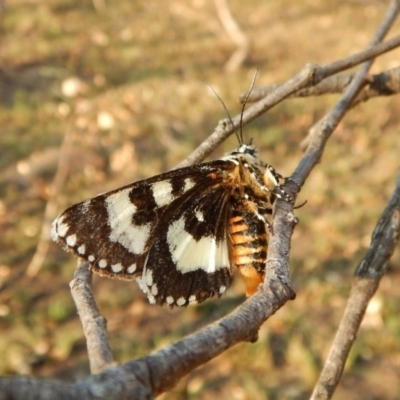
pixel 94 325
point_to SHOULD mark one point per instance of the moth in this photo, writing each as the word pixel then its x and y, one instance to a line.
pixel 180 234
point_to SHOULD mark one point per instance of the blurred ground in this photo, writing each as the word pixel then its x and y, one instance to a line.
pixel 127 82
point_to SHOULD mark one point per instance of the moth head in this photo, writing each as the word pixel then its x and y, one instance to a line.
pixel 247 149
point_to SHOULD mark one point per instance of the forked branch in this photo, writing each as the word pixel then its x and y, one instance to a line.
pixel 365 283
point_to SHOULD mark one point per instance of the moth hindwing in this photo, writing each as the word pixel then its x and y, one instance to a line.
pixel 180 233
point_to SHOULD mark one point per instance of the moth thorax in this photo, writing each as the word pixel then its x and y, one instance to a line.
pixel 270 180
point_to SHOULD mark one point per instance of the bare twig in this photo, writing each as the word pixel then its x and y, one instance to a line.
pixel 321 131
pixel 225 128
pixel 324 71
pixel 94 325
pixel 237 36
pixel 386 83
pixel 365 283
pixel 51 206
pixel 371 269
pixel 310 75
pixel 158 372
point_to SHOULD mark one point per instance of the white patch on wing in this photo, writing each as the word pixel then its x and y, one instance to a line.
pixel 116 267
pixel 189 183
pixel 82 249
pixel 142 285
pixel 231 157
pixel 162 193
pixel 71 240
pixel 169 300
pixel 59 228
pixel 151 298
pixel 199 216
pixel 181 301
pixel 120 211
pixel 148 276
pixel 222 289
pixel 154 290
pixel 191 255
pixel 91 258
pixel 269 179
pixel 131 269
pixel 102 263
pixel 53 231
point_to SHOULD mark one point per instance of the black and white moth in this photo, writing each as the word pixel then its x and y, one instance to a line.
pixel 179 234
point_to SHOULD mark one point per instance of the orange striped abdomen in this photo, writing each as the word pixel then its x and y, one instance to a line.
pixel 249 247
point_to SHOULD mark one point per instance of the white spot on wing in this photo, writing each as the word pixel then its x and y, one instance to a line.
pixel 53 231
pixel 102 263
pixel 82 249
pixel 169 300
pixel 269 179
pixel 181 301
pixel 60 228
pixel 120 211
pixel 162 193
pixel 148 277
pixel 60 219
pixel 131 269
pixel 154 290
pixel 116 267
pixel 151 298
pixel 142 285
pixel 191 255
pixel 71 240
pixel 91 258
pixel 192 298
pixel 199 216
pixel 232 158
pixel 189 183
pixel 222 289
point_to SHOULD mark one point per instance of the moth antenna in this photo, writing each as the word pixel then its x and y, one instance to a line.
pixel 244 105
pixel 239 138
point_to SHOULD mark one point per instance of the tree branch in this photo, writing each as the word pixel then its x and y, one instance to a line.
pixel 94 325
pixel 319 134
pixel 309 76
pixel 386 83
pixel 365 283
pixel 225 128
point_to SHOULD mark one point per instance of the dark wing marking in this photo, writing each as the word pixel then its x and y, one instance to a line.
pixel 113 230
pixel 188 256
